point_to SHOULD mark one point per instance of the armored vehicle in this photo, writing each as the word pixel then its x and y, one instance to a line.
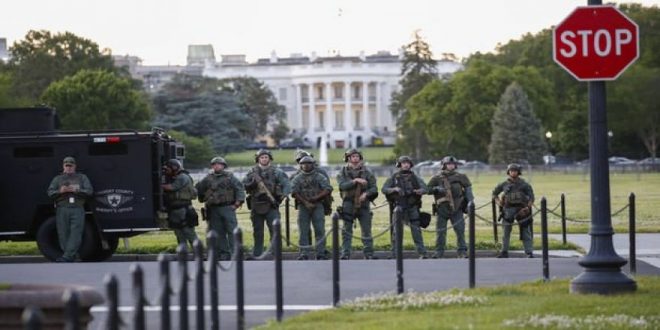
pixel 124 168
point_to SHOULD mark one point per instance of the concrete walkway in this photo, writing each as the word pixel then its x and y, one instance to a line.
pixel 647 245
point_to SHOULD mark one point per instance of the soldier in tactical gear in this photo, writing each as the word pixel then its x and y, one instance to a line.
pixel 222 193
pixel 357 186
pixel 516 203
pixel 266 186
pixel 69 191
pixel 452 191
pixel 310 188
pixel 302 153
pixel 405 189
pixel 179 192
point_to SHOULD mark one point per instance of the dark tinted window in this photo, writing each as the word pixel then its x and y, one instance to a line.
pixel 103 149
pixel 33 152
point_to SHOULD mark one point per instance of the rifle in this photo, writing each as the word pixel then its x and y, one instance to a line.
pixel 450 196
pixel 261 188
pixel 356 199
pixel 203 211
pixel 309 205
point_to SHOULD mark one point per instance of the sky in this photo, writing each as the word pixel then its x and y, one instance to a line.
pixel 159 31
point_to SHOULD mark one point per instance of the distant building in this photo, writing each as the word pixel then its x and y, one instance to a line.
pixel 4 55
pixel 154 76
pixel 345 99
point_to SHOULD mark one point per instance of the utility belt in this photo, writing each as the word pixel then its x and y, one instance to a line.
pixel 179 205
pixel 221 204
pixel 67 203
pixel 514 205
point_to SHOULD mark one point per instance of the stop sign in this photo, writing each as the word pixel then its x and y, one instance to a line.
pixel 595 43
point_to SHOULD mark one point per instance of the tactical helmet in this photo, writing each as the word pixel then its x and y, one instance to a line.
pixel 261 152
pixel 448 160
pixel 306 160
pixel 350 152
pixel 514 167
pixel 404 159
pixel 218 160
pixel 174 164
pixel 300 154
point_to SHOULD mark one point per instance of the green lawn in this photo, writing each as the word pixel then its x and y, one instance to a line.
pixel 531 305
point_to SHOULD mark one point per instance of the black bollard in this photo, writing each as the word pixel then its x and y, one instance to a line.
pixel 494 208
pixel 335 259
pixel 32 318
pixel 72 307
pixel 632 253
pixel 240 288
pixel 212 245
pixel 199 283
pixel 138 297
pixel 398 234
pixel 286 224
pixel 112 294
pixel 563 218
pixel 544 239
pixel 182 256
pixel 165 292
pixel 279 310
pixel 471 254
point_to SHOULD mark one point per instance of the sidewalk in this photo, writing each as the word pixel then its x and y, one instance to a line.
pixel 647 245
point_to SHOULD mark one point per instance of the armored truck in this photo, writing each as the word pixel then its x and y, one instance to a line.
pixel 123 166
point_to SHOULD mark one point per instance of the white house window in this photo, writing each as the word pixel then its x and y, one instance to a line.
pixel 356 92
pixel 319 91
pixel 339 120
pixel 339 91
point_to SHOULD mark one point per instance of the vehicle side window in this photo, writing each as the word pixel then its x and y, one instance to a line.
pixel 33 152
pixel 104 149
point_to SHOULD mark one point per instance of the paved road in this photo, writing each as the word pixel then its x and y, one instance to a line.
pixel 307 284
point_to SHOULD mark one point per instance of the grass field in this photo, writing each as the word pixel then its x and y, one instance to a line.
pixel 552 185
pixel 532 305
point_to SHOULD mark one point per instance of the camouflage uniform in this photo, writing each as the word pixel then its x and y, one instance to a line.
pixel 461 191
pixel 518 195
pixel 262 209
pixel 222 193
pixel 178 203
pixel 405 196
pixel 70 210
pixel 311 188
pixel 350 211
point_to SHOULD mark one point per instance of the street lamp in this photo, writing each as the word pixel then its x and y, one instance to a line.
pixel 548 136
pixel 610 135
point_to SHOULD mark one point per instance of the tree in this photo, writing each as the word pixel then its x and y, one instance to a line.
pixel 418 69
pixel 42 58
pixel 516 130
pixel 95 99
pixel 199 150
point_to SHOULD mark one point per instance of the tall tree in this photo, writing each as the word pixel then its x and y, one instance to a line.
pixel 199 150
pixel 43 57
pixel 516 130
pixel 418 69
pixel 95 99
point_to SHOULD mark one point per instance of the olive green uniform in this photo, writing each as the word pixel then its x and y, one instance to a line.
pixel 350 211
pixel 177 201
pixel 517 195
pixel 309 186
pixel 262 208
pixel 409 201
pixel 461 193
pixel 220 191
pixel 70 211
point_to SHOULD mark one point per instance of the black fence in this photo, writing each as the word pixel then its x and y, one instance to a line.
pixel 32 317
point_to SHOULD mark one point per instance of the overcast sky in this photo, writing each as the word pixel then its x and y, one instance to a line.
pixel 159 31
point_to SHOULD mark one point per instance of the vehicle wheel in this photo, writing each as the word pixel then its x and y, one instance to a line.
pixel 49 244
pixel 101 254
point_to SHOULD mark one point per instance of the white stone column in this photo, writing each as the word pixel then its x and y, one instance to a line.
pixel 329 116
pixel 379 107
pixel 312 111
pixel 365 108
pixel 299 110
pixel 348 113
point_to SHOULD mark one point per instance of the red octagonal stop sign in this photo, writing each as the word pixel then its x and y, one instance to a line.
pixel 595 43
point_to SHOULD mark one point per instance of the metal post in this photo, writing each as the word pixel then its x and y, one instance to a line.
pixel 240 288
pixel 471 253
pixel 199 283
pixel 398 234
pixel 494 207
pixel 277 229
pixel 544 239
pixel 182 256
pixel 335 259
pixel 72 307
pixel 165 292
pixel 112 293
pixel 602 266
pixel 138 297
pixel 212 246
pixel 563 218
pixel 32 318
pixel 632 253
pixel 286 224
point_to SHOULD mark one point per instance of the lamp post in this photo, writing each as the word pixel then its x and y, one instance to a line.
pixel 548 136
pixel 610 135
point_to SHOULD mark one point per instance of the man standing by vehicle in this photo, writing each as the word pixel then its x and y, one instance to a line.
pixel 310 188
pixel 516 203
pixel 222 193
pixel 357 186
pixel 266 186
pixel 179 192
pixel 405 189
pixel 452 192
pixel 69 191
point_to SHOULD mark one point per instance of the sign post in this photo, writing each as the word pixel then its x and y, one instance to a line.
pixel 597 43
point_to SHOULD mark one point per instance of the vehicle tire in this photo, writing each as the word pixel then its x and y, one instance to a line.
pixel 49 244
pixel 101 254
